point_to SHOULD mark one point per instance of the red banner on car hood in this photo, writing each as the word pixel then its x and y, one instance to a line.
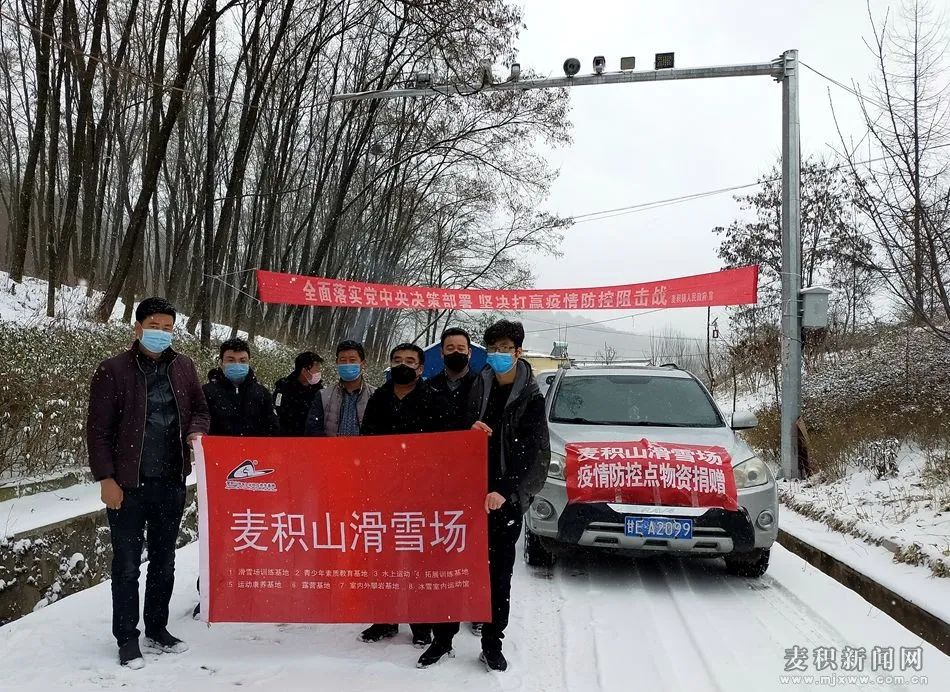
pixel 650 473
pixel 729 287
pixel 344 529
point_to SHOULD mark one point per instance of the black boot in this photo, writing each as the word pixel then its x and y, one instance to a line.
pixel 494 660
pixel 162 641
pixel 377 633
pixel 421 635
pixel 436 653
pixel 130 655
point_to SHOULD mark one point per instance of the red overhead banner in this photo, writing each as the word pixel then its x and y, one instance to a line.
pixel 728 287
pixel 344 529
pixel 650 473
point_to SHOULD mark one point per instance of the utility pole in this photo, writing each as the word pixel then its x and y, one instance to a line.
pixel 791 403
pixel 709 368
pixel 783 69
pixel 208 241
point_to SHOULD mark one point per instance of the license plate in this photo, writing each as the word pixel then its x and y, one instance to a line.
pixel 658 527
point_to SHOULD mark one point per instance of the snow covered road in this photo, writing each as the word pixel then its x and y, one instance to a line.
pixel 591 623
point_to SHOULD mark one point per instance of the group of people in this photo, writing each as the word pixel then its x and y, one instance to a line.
pixel 147 407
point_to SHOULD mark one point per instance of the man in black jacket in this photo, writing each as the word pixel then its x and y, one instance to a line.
pixel 452 386
pixel 505 403
pixel 402 406
pixel 294 394
pixel 239 405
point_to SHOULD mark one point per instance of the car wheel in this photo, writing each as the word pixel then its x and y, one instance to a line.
pixel 535 554
pixel 752 564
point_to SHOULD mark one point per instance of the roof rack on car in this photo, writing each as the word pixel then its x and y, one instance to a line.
pixel 670 365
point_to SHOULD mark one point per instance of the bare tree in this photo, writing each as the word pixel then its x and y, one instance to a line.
pixel 904 192
pixel 606 356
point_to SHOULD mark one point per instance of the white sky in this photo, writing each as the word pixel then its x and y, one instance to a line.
pixel 642 142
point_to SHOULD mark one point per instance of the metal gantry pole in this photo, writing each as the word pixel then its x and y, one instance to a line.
pixel 785 70
pixel 791 403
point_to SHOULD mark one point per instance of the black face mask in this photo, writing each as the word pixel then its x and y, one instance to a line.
pixel 456 362
pixel 402 374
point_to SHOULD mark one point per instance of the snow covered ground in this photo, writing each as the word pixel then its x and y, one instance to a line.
pixel 25 303
pixel 910 581
pixel 907 511
pixel 592 623
pixel 31 512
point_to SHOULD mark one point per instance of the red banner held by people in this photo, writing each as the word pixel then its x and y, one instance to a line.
pixel 344 529
pixel 729 287
pixel 650 473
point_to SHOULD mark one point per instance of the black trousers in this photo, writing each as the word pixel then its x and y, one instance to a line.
pixel 504 529
pixel 149 515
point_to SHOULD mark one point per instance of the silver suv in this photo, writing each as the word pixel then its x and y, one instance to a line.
pixel 663 404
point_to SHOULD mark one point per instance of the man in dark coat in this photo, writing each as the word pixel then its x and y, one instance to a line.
pixel 506 404
pixel 295 393
pixel 239 405
pixel 452 386
pixel 146 408
pixel 402 406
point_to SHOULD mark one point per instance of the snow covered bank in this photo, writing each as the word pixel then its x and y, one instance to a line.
pixel 877 562
pixel 58 543
pixel 48 363
pixel 909 513
pixel 593 623
pixel 31 512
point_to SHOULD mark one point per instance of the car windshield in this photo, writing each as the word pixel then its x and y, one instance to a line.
pixel 634 400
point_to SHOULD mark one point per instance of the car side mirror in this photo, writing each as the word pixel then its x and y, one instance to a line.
pixel 744 420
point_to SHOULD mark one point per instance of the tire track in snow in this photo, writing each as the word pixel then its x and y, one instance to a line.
pixel 582 665
pixel 537 640
pixel 814 627
pixel 693 668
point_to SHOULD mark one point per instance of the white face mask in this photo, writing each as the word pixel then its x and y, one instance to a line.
pixel 315 379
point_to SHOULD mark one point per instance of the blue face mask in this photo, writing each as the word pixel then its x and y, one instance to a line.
pixel 349 372
pixel 501 362
pixel 236 372
pixel 155 340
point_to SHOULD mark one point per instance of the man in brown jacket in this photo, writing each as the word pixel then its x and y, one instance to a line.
pixel 146 407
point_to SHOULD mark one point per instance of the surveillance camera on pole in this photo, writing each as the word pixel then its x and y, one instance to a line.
pixel 784 69
pixel 515 74
pixel 599 64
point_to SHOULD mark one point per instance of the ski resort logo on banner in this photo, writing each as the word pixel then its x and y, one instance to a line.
pixel 240 478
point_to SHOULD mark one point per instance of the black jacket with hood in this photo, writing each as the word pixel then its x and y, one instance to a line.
pixel 525 449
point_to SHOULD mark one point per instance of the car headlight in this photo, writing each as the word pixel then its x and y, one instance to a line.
pixel 750 473
pixel 556 469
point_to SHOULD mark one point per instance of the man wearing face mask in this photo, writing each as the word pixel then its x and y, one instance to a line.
pixel 451 387
pixel 295 393
pixel 402 406
pixel 146 408
pixel 339 410
pixel 506 404
pixel 239 405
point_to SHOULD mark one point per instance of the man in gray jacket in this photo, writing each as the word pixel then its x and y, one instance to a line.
pixel 338 410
